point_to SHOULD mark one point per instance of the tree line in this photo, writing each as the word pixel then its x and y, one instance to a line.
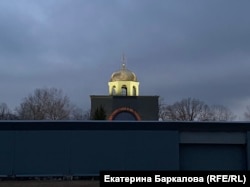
pixel 44 104
pixel 192 109
pixel 53 104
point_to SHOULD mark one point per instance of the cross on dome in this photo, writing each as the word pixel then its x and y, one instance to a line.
pixel 123 61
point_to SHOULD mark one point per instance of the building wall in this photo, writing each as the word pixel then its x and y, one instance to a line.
pixel 213 150
pixel 40 148
pixel 145 106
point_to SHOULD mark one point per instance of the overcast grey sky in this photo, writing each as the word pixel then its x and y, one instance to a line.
pixel 177 48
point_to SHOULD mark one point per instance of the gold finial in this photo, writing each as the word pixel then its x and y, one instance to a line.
pixel 123 61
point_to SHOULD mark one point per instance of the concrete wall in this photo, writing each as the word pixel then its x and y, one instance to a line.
pixel 40 148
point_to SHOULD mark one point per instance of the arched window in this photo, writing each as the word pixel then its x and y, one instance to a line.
pixel 113 90
pixel 134 91
pixel 124 90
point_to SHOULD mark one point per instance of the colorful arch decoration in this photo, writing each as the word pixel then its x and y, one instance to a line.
pixel 124 109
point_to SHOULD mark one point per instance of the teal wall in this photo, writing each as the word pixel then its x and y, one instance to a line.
pixel 84 148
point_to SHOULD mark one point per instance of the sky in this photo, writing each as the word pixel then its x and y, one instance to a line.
pixel 176 48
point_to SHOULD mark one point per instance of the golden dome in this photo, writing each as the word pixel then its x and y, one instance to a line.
pixel 123 75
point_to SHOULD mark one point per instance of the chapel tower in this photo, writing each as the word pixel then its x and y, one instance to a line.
pixel 123 82
pixel 123 101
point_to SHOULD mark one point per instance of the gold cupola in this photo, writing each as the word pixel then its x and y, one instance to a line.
pixel 123 82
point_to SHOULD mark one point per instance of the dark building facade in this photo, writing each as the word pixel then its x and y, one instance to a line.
pixel 123 101
pixel 84 148
pixel 127 108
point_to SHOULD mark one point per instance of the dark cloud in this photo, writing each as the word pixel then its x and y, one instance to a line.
pixel 178 49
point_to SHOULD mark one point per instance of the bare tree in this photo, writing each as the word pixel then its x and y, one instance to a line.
pixel 45 104
pixel 188 109
pixel 80 114
pixel 221 113
pixel 191 109
pixel 87 114
pixel 5 112
pixel 161 109
pixel 206 114
pixel 247 113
